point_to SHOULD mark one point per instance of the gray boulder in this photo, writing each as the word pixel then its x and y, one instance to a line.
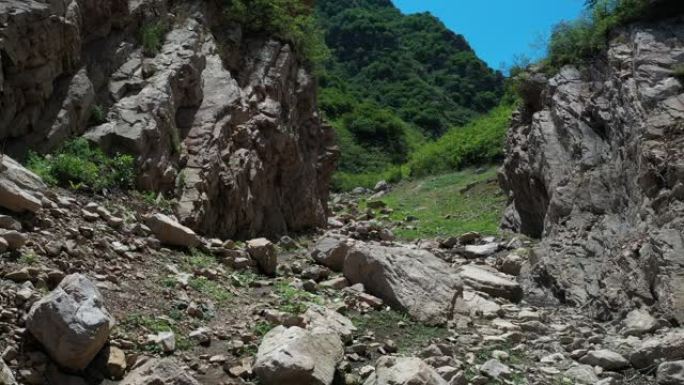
pixel 403 371
pixel 414 281
pixel 581 374
pixel 639 322
pixel 295 356
pixel 670 373
pixel 165 371
pixel 20 189
pixel 71 322
pixel 669 346
pixel 331 252
pixel 491 282
pixel 323 318
pixel 606 359
pixel 265 254
pixel 6 376
pixel 170 232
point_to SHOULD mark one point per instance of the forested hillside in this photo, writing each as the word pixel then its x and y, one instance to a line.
pixel 394 81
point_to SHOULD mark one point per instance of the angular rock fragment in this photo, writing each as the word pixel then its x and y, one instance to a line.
pixel 166 371
pixel 403 371
pixel 71 322
pixel 295 356
pixel 265 254
pixel 331 252
pixel 170 232
pixel 490 282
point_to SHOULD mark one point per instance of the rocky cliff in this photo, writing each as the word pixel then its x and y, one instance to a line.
pixel 595 168
pixel 223 121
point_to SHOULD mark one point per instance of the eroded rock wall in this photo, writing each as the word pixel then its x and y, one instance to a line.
pixel 225 122
pixel 595 167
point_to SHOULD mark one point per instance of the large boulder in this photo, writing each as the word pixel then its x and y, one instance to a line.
pixel 491 282
pixel 414 281
pixel 403 371
pixel 265 254
pixel 71 322
pixel 321 317
pixel 20 189
pixel 670 373
pixel 6 376
pixel 331 252
pixel 295 356
pixel 170 232
pixel 166 371
pixel 669 346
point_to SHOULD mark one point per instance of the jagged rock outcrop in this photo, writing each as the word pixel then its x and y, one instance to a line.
pixel 595 167
pixel 226 122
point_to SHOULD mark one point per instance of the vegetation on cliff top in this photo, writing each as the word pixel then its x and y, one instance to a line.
pixel 582 40
pixel 291 20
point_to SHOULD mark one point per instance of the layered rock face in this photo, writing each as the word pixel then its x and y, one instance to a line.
pixel 227 123
pixel 595 167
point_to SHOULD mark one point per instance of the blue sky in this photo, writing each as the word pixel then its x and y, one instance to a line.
pixel 499 30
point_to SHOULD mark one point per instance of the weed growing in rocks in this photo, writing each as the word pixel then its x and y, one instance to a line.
pixel 151 37
pixel 244 278
pixel 28 258
pixel 293 300
pixel 136 323
pixel 98 115
pixel 211 289
pixel 389 324
pixel 261 328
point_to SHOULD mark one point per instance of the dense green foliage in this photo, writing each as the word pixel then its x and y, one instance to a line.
pixel 584 39
pixel 291 20
pixel 479 142
pixel 394 80
pixel 78 165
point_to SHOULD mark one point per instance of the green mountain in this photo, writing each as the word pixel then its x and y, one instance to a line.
pixel 394 81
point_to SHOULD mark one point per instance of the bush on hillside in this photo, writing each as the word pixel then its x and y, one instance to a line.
pixel 581 40
pixel 378 128
pixel 290 20
pixel 479 142
pixel 78 165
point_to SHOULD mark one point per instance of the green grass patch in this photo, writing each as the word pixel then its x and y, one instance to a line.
pixel 261 328
pixel 410 337
pixel 294 301
pixel 198 259
pixel 244 278
pixel 211 289
pixel 151 325
pixel 78 165
pixel 449 204
pixel 347 181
